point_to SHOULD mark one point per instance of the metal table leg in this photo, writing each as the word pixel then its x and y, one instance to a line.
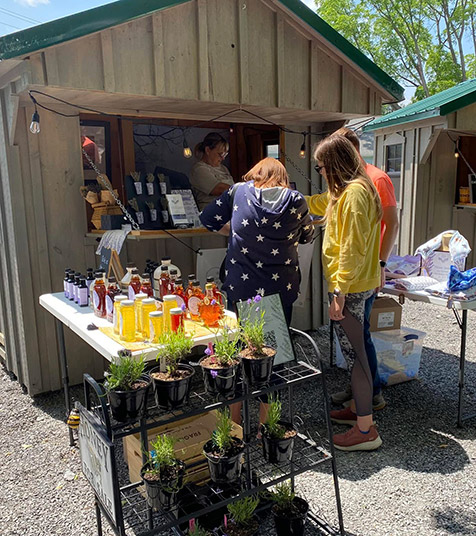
pixel 64 373
pixel 462 322
pixel 331 343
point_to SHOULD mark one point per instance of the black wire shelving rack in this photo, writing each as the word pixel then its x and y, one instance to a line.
pixel 133 515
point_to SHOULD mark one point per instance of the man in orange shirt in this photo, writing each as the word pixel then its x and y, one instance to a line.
pixel 388 236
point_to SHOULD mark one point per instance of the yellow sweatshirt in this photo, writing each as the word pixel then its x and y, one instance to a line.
pixel 350 250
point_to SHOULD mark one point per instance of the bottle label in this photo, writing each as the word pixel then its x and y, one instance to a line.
pixel 70 291
pixel 138 187
pixel 109 306
pixel 131 293
pixel 96 300
pixel 163 188
pixel 150 188
pixel 153 214
pixel 180 300
pixel 165 216
pixel 193 304
pixel 66 293
pixel 83 296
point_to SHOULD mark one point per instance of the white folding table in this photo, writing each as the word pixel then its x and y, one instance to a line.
pixel 77 319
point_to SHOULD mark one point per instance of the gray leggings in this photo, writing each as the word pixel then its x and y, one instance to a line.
pixel 350 332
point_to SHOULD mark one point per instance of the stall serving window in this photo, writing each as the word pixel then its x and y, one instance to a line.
pixel 393 166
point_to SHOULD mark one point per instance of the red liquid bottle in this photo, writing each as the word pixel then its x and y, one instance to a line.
pixel 112 291
pixel 99 295
pixel 164 281
pixel 146 286
pixel 134 285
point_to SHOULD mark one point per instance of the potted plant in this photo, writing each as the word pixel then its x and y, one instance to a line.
pixel 257 359
pixel 196 530
pixel 277 436
pixel 289 511
pixel 220 365
pixel 172 386
pixel 243 521
pixel 223 451
pixel 127 387
pixel 163 474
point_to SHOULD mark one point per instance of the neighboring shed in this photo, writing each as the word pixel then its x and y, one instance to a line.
pixel 165 62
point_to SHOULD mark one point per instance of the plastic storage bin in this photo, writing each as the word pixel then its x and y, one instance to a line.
pixel 398 354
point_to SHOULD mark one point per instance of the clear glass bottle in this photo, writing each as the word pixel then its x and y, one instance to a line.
pixel 83 292
pixel 112 291
pixel 189 289
pixel 127 276
pixel 65 282
pixel 156 325
pixel 216 293
pixel 194 301
pixel 146 287
pixel 89 281
pixel 70 284
pixel 164 281
pixel 210 309
pixel 140 297
pixel 148 306
pixel 176 319
pixel 99 295
pixel 167 261
pixel 127 321
pixel 179 293
pixel 134 284
pixel 170 302
pixel 117 311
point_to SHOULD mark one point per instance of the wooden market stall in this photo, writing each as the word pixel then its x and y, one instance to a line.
pixel 429 148
pixel 170 62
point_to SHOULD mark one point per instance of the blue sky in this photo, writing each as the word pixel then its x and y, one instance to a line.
pixel 20 14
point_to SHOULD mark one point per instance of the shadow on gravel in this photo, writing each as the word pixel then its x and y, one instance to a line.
pixel 53 403
pixel 454 522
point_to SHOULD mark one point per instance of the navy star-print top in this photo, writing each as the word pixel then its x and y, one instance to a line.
pixel 266 227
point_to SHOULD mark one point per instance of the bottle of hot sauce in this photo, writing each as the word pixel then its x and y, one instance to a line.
pixel 99 295
pixel 111 292
pixel 134 284
pixel 146 287
pixel 194 301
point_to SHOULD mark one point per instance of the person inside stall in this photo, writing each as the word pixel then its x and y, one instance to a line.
pixel 209 177
pixel 265 221
pixel 352 211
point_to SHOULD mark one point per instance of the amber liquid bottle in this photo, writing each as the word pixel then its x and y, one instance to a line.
pixel 216 293
pixel 112 291
pixel 146 287
pixel 179 292
pixel 164 281
pixel 210 309
pixel 195 300
pixel 134 284
pixel 99 296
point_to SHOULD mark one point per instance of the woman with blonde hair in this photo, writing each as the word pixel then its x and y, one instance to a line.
pixel 351 212
pixel 267 221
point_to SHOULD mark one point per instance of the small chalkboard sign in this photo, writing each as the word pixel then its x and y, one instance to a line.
pixel 472 188
pixel 110 262
pixel 105 259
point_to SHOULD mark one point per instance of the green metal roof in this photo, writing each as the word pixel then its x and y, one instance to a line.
pixel 438 105
pixel 59 31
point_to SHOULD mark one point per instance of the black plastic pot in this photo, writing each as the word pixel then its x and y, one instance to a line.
pixel 172 394
pixel 277 450
pixel 129 405
pixel 257 372
pixel 288 523
pixel 163 494
pixel 220 381
pixel 224 469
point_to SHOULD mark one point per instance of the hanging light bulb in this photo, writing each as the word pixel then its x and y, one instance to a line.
pixel 35 123
pixel 187 152
pixel 302 151
pixel 457 149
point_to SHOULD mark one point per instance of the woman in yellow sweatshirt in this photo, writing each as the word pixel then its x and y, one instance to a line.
pixel 351 212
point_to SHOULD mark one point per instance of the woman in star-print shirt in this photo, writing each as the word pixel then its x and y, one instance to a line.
pixel 267 222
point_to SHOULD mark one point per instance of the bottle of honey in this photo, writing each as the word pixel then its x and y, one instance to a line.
pixel 134 284
pixel 99 295
pixel 210 309
pixel 146 287
pixel 111 292
pixel 194 301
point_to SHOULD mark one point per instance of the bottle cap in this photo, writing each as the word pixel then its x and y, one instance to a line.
pixel 145 276
pixel 210 279
pixel 148 301
pixel 141 296
pixel 169 297
pixel 176 311
pixel 67 270
pixel 127 303
pixel 156 313
pixel 135 271
pixel 89 269
pixel 178 282
pixel 191 277
pixel 131 265
pixel 196 283
pixel 111 279
pixel 165 259
pixel 120 297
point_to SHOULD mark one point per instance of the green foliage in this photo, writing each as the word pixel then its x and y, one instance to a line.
pixel 225 347
pixel 275 430
pixel 123 372
pixel 422 43
pixel 252 325
pixel 283 496
pixel 163 454
pixel 222 437
pixel 242 511
pixel 198 531
pixel 174 347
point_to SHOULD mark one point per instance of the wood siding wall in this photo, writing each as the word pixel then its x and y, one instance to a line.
pixel 222 51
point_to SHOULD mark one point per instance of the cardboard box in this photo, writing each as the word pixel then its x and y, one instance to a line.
pixel 386 314
pixel 398 354
pixel 192 433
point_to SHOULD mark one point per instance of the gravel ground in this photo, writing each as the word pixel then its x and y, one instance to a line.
pixel 420 482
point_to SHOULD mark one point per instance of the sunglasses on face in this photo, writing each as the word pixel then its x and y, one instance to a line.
pixel 223 154
pixel 318 169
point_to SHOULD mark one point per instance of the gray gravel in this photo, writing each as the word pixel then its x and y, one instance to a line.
pixel 420 482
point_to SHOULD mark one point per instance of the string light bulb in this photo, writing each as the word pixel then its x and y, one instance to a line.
pixel 35 123
pixel 187 152
pixel 302 150
pixel 457 149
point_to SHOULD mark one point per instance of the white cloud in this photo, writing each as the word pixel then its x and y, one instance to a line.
pixel 32 3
